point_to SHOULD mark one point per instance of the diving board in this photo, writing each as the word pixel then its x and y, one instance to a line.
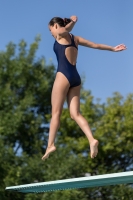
pixel 73 183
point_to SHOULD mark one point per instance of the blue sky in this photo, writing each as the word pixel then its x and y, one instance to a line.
pixel 101 21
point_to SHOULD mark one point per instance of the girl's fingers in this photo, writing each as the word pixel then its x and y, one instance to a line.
pixel 120 47
pixel 74 18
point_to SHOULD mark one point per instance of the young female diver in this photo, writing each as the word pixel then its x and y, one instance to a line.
pixel 67 83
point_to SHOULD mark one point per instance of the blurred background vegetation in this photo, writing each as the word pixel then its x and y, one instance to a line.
pixel 25 110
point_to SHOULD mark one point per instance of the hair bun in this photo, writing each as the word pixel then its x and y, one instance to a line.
pixel 66 21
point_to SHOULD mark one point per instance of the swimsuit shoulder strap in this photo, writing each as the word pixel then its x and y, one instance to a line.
pixel 72 40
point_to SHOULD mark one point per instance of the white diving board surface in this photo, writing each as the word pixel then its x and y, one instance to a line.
pixel 74 183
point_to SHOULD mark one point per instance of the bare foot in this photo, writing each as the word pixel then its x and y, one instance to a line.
pixel 48 151
pixel 94 148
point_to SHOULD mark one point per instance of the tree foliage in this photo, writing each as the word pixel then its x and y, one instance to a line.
pixel 25 91
pixel 25 88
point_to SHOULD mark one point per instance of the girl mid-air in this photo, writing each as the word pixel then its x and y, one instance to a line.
pixel 67 83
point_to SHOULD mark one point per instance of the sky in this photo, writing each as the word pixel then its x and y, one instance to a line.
pixel 107 22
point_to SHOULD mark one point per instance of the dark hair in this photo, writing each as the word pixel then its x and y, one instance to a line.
pixel 60 21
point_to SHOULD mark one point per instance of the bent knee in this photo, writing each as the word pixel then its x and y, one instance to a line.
pixel 74 115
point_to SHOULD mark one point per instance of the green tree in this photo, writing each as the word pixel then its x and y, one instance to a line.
pixel 25 91
pixel 112 125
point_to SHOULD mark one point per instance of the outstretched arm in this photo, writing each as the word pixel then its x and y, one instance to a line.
pixel 83 42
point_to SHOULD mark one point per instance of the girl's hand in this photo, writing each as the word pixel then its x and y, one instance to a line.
pixel 119 47
pixel 74 18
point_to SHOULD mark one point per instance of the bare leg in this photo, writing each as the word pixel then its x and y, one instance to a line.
pixel 59 92
pixel 73 99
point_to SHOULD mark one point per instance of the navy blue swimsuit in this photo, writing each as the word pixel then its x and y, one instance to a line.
pixel 64 66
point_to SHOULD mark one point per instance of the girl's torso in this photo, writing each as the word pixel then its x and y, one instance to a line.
pixel 67 56
pixel 66 48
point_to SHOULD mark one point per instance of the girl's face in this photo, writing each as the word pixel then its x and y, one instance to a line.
pixel 53 30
